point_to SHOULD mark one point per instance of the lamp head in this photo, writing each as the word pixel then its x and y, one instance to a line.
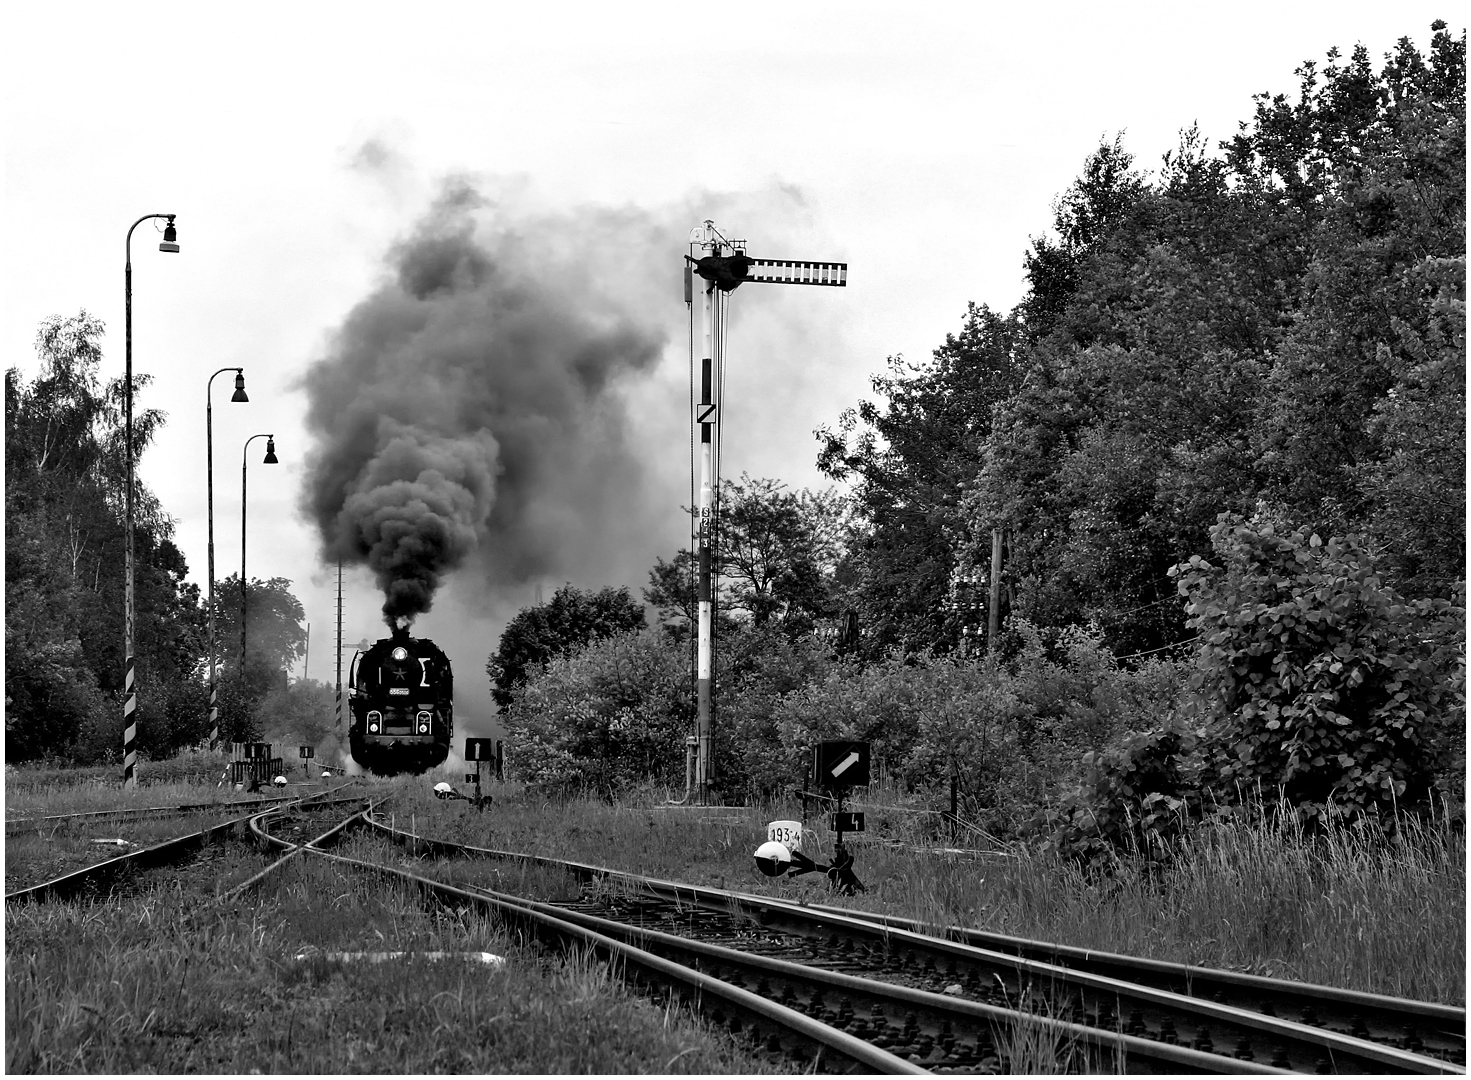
pixel 270 450
pixel 239 394
pixel 170 237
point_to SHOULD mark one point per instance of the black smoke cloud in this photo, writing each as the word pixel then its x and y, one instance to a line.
pixel 468 410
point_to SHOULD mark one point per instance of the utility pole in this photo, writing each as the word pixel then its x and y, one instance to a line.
pixel 337 717
pixel 722 265
pixel 993 606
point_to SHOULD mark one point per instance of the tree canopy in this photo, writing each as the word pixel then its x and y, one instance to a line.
pixel 1278 323
pixel 572 617
pixel 65 544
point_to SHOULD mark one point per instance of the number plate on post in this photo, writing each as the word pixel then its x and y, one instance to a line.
pixel 788 833
pixel 847 822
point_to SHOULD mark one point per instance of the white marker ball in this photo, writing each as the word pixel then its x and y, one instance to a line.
pixel 280 781
pixel 773 858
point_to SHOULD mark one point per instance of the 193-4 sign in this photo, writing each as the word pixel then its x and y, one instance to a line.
pixel 840 763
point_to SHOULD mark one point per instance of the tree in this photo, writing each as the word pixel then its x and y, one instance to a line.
pixel 776 550
pixel 1375 166
pixel 65 555
pixel 571 618
pixel 1417 486
pixel 910 463
pixel 275 639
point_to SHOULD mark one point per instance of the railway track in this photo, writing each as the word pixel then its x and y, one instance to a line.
pixel 1108 997
pixel 167 853
pixel 1420 1026
pixel 90 816
pixel 840 990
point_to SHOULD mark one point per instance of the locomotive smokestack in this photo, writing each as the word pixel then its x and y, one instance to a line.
pixel 469 406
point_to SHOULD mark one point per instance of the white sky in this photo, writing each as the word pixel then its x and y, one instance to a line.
pixel 928 142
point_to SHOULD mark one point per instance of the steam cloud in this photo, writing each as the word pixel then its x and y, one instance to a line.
pixel 469 407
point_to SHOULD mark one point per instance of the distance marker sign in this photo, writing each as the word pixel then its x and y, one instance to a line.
pixel 840 763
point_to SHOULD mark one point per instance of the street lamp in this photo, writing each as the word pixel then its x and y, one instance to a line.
pixel 130 687
pixel 270 459
pixel 209 466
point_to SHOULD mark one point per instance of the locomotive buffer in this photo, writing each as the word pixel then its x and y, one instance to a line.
pixel 723 268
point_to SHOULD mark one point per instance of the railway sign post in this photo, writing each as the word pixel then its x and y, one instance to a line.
pixel 306 753
pixel 479 751
pixel 722 265
pixel 838 766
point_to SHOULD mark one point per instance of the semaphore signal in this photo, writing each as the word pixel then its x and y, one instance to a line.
pixel 723 266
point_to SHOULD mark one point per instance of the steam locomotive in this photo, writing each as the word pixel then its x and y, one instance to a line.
pixel 401 695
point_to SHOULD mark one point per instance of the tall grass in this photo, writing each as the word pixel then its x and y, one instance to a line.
pixel 1347 907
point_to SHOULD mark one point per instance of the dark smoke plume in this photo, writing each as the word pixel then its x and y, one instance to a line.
pixel 468 409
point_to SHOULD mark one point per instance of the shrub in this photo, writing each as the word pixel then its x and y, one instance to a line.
pixel 1322 685
pixel 608 716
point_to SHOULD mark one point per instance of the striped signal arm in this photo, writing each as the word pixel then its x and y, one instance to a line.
pixel 796 272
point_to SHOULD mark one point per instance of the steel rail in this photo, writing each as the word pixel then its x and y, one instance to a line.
pixel 160 854
pixel 1105 1001
pixel 814 1037
pixel 139 811
pixel 944 1014
pixel 1438 1028
pixel 255 824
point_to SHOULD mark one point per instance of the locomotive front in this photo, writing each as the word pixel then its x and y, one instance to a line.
pixel 401 694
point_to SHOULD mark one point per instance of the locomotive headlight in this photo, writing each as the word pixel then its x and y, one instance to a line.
pixel 400 653
pixel 373 726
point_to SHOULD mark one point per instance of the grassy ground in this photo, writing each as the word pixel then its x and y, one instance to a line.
pixel 1347 910
pixel 163 978
pixel 166 980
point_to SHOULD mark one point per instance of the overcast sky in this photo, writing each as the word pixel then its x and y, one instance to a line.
pixel 922 144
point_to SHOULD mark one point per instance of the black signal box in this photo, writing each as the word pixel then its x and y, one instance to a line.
pixel 839 764
pixel 479 749
pixel 307 752
pixel 846 821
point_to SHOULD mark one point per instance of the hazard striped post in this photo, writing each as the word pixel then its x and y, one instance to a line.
pixel 705 416
pixel 130 681
pixel 723 266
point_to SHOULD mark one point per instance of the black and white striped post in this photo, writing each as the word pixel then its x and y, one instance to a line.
pixel 169 243
pixel 723 267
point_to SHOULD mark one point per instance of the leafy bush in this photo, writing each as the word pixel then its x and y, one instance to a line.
pixel 1320 692
pixel 1323 686
pixel 603 718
